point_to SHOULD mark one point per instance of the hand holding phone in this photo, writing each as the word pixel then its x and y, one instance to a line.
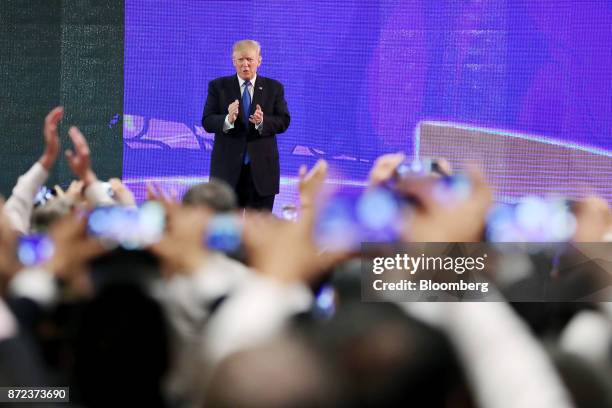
pixel 350 218
pixel 132 228
pixel 34 249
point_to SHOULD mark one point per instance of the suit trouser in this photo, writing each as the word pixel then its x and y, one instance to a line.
pixel 247 194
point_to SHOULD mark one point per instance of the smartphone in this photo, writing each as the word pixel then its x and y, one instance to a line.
pixel 129 227
pixel 34 249
pixel 532 219
pixel 326 298
pixel 422 167
pixel 43 195
pixel 224 233
pixel 349 218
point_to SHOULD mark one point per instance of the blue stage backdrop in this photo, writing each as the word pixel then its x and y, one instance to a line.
pixel 360 75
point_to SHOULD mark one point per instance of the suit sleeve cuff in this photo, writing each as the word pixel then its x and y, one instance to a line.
pixel 226 125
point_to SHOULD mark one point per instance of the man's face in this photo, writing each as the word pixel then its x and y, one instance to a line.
pixel 246 62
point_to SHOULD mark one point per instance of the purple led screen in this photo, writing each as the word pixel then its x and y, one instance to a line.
pixel 359 76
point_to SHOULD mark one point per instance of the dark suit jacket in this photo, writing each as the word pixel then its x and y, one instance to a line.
pixel 229 148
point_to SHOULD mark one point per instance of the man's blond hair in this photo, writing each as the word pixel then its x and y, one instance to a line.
pixel 246 44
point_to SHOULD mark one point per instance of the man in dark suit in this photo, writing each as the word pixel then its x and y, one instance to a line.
pixel 245 112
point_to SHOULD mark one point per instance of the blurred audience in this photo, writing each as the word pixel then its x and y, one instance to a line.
pixel 198 304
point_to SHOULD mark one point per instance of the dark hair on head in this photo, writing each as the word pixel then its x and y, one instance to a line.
pixel 121 343
pixel 389 359
pixel 216 195
pixel 587 383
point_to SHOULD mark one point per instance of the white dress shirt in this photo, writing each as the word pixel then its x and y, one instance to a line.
pixel 227 126
pixel 505 365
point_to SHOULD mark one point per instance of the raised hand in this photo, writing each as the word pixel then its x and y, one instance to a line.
pixel 257 117
pixel 73 193
pixel 384 168
pixel 460 220
pixel 311 182
pixel 284 250
pixel 181 249
pixel 79 160
pixel 52 143
pixel 74 248
pixel 232 111
pixel 155 192
pixel 123 195
pixel 593 219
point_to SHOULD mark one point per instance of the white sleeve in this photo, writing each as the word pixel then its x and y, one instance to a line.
pixel 188 296
pixel 504 363
pixel 588 335
pixel 226 125
pixel 8 326
pixel 18 208
pixel 253 315
pixel 37 284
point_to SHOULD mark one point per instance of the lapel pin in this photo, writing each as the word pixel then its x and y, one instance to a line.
pixel 261 88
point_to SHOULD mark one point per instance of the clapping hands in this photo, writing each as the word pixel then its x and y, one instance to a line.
pixel 52 143
pixel 232 111
pixel 257 117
